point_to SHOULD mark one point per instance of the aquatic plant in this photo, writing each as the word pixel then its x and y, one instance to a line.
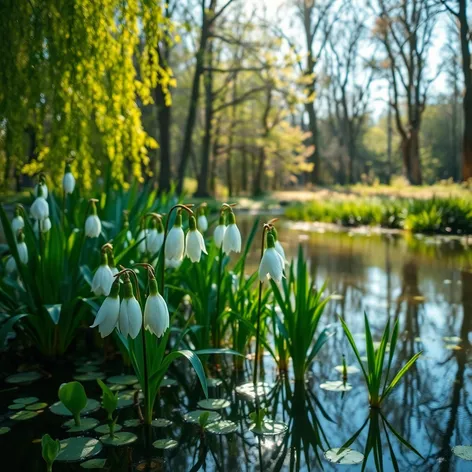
pixel 73 397
pixel 376 377
pixel 301 308
pixel 50 449
pixel 109 404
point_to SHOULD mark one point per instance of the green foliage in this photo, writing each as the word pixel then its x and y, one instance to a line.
pixel 109 399
pixel 50 450
pixel 302 306
pixel 376 376
pixel 257 417
pixel 74 398
pixel 436 215
pixel 203 419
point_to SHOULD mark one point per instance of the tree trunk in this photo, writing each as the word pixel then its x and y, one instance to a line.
pixel 411 158
pixel 257 186
pixel 164 121
pixel 244 170
pixel 313 140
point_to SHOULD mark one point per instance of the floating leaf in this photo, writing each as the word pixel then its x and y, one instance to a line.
pixel 117 387
pixel 120 439
pixel 452 339
pixel 132 423
pixel 86 424
pixel 4 430
pixel 36 406
pixel 347 456
pixel 165 443
pixel 222 427
pixel 336 386
pixel 248 390
pixel 125 400
pixel 269 428
pixel 161 423
pixel 89 376
pixel 23 378
pixel 122 379
pixel 78 449
pixel 24 415
pixel 194 416
pixel 85 369
pixel 214 382
pixel 94 464
pixel 59 409
pixel 166 382
pixel 105 429
pixel 26 400
pixel 214 404
pixel 16 406
pixel 464 452
pixel 351 369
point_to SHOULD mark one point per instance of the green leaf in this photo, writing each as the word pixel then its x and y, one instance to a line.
pixel 109 399
pixel 50 449
pixel 73 397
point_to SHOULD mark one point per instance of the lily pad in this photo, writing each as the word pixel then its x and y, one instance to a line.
pixel 4 430
pixel 104 429
pixel 87 368
pixel 86 424
pixel 117 387
pixel 94 464
pixel 269 428
pixel 214 382
pixel 134 423
pixel 24 415
pixel 23 378
pixel 122 379
pixel 165 444
pixel 169 382
pixel 89 376
pixel 120 439
pixel 347 456
pixel 16 406
pixel 452 339
pixel 125 400
pixel 36 406
pixel 78 449
pixel 222 427
pixel 214 404
pixel 351 369
pixel 26 400
pixel 463 452
pixel 336 386
pixel 248 390
pixel 161 423
pixel 453 347
pixel 59 409
pixel 194 416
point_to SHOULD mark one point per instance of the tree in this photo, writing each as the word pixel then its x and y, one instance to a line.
pixel 404 29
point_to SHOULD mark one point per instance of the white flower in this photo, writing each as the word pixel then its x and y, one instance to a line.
pixel 68 182
pixel 218 235
pixel 156 313
pixel 107 316
pixel 175 244
pixel 202 223
pixel 280 250
pixel 17 222
pixel 154 241
pixel 40 209
pixel 131 317
pixel 272 264
pixel 142 241
pixel 93 226
pixel 44 190
pixel 194 242
pixel 173 263
pixel 22 252
pixel 45 226
pixel 10 265
pixel 232 236
pixel 103 278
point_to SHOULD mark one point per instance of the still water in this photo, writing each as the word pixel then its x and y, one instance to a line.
pixel 425 282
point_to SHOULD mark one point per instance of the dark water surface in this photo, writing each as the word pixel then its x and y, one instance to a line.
pixel 426 282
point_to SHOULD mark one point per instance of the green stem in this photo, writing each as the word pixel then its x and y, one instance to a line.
pixel 218 295
pixel 258 335
pixel 77 419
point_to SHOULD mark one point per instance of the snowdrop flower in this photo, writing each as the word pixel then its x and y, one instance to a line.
pixel 155 236
pixel 219 232
pixel 103 278
pixel 156 313
pixel 107 316
pixel 129 235
pixel 175 243
pixel 40 208
pixel 44 226
pixel 68 181
pixel 194 242
pixel 93 225
pixel 10 265
pixel 272 264
pixel 232 236
pixel 142 241
pixel 17 222
pixel 131 317
pixel 278 246
pixel 111 261
pixel 22 248
pixel 202 221
pixel 41 185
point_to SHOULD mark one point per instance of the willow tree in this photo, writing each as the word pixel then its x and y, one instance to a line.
pixel 72 74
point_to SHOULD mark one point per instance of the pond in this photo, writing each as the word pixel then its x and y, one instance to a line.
pixel 415 278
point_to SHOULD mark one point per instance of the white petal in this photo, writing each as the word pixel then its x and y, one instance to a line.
pixel 68 182
pixel 142 241
pixel 218 235
pixel 202 242
pixel 175 243
pixel 193 249
pixel 40 209
pixel 135 317
pixel 107 316
pixel 123 320
pixel 232 239
pixel 45 225
pixel 23 252
pixel 202 223
pixel 17 223
pixel 93 226
pixel 264 267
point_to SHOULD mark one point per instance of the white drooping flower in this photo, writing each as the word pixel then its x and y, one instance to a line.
pixel 232 236
pixel 103 278
pixel 10 265
pixel 219 232
pixel 107 316
pixel 175 244
pixel 44 189
pixel 22 249
pixel 202 222
pixel 44 225
pixel 142 241
pixel 272 264
pixel 40 208
pixel 93 225
pixel 156 313
pixel 131 317
pixel 111 261
pixel 194 242
pixel 155 237
pixel 278 246
pixel 68 181
pixel 17 222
